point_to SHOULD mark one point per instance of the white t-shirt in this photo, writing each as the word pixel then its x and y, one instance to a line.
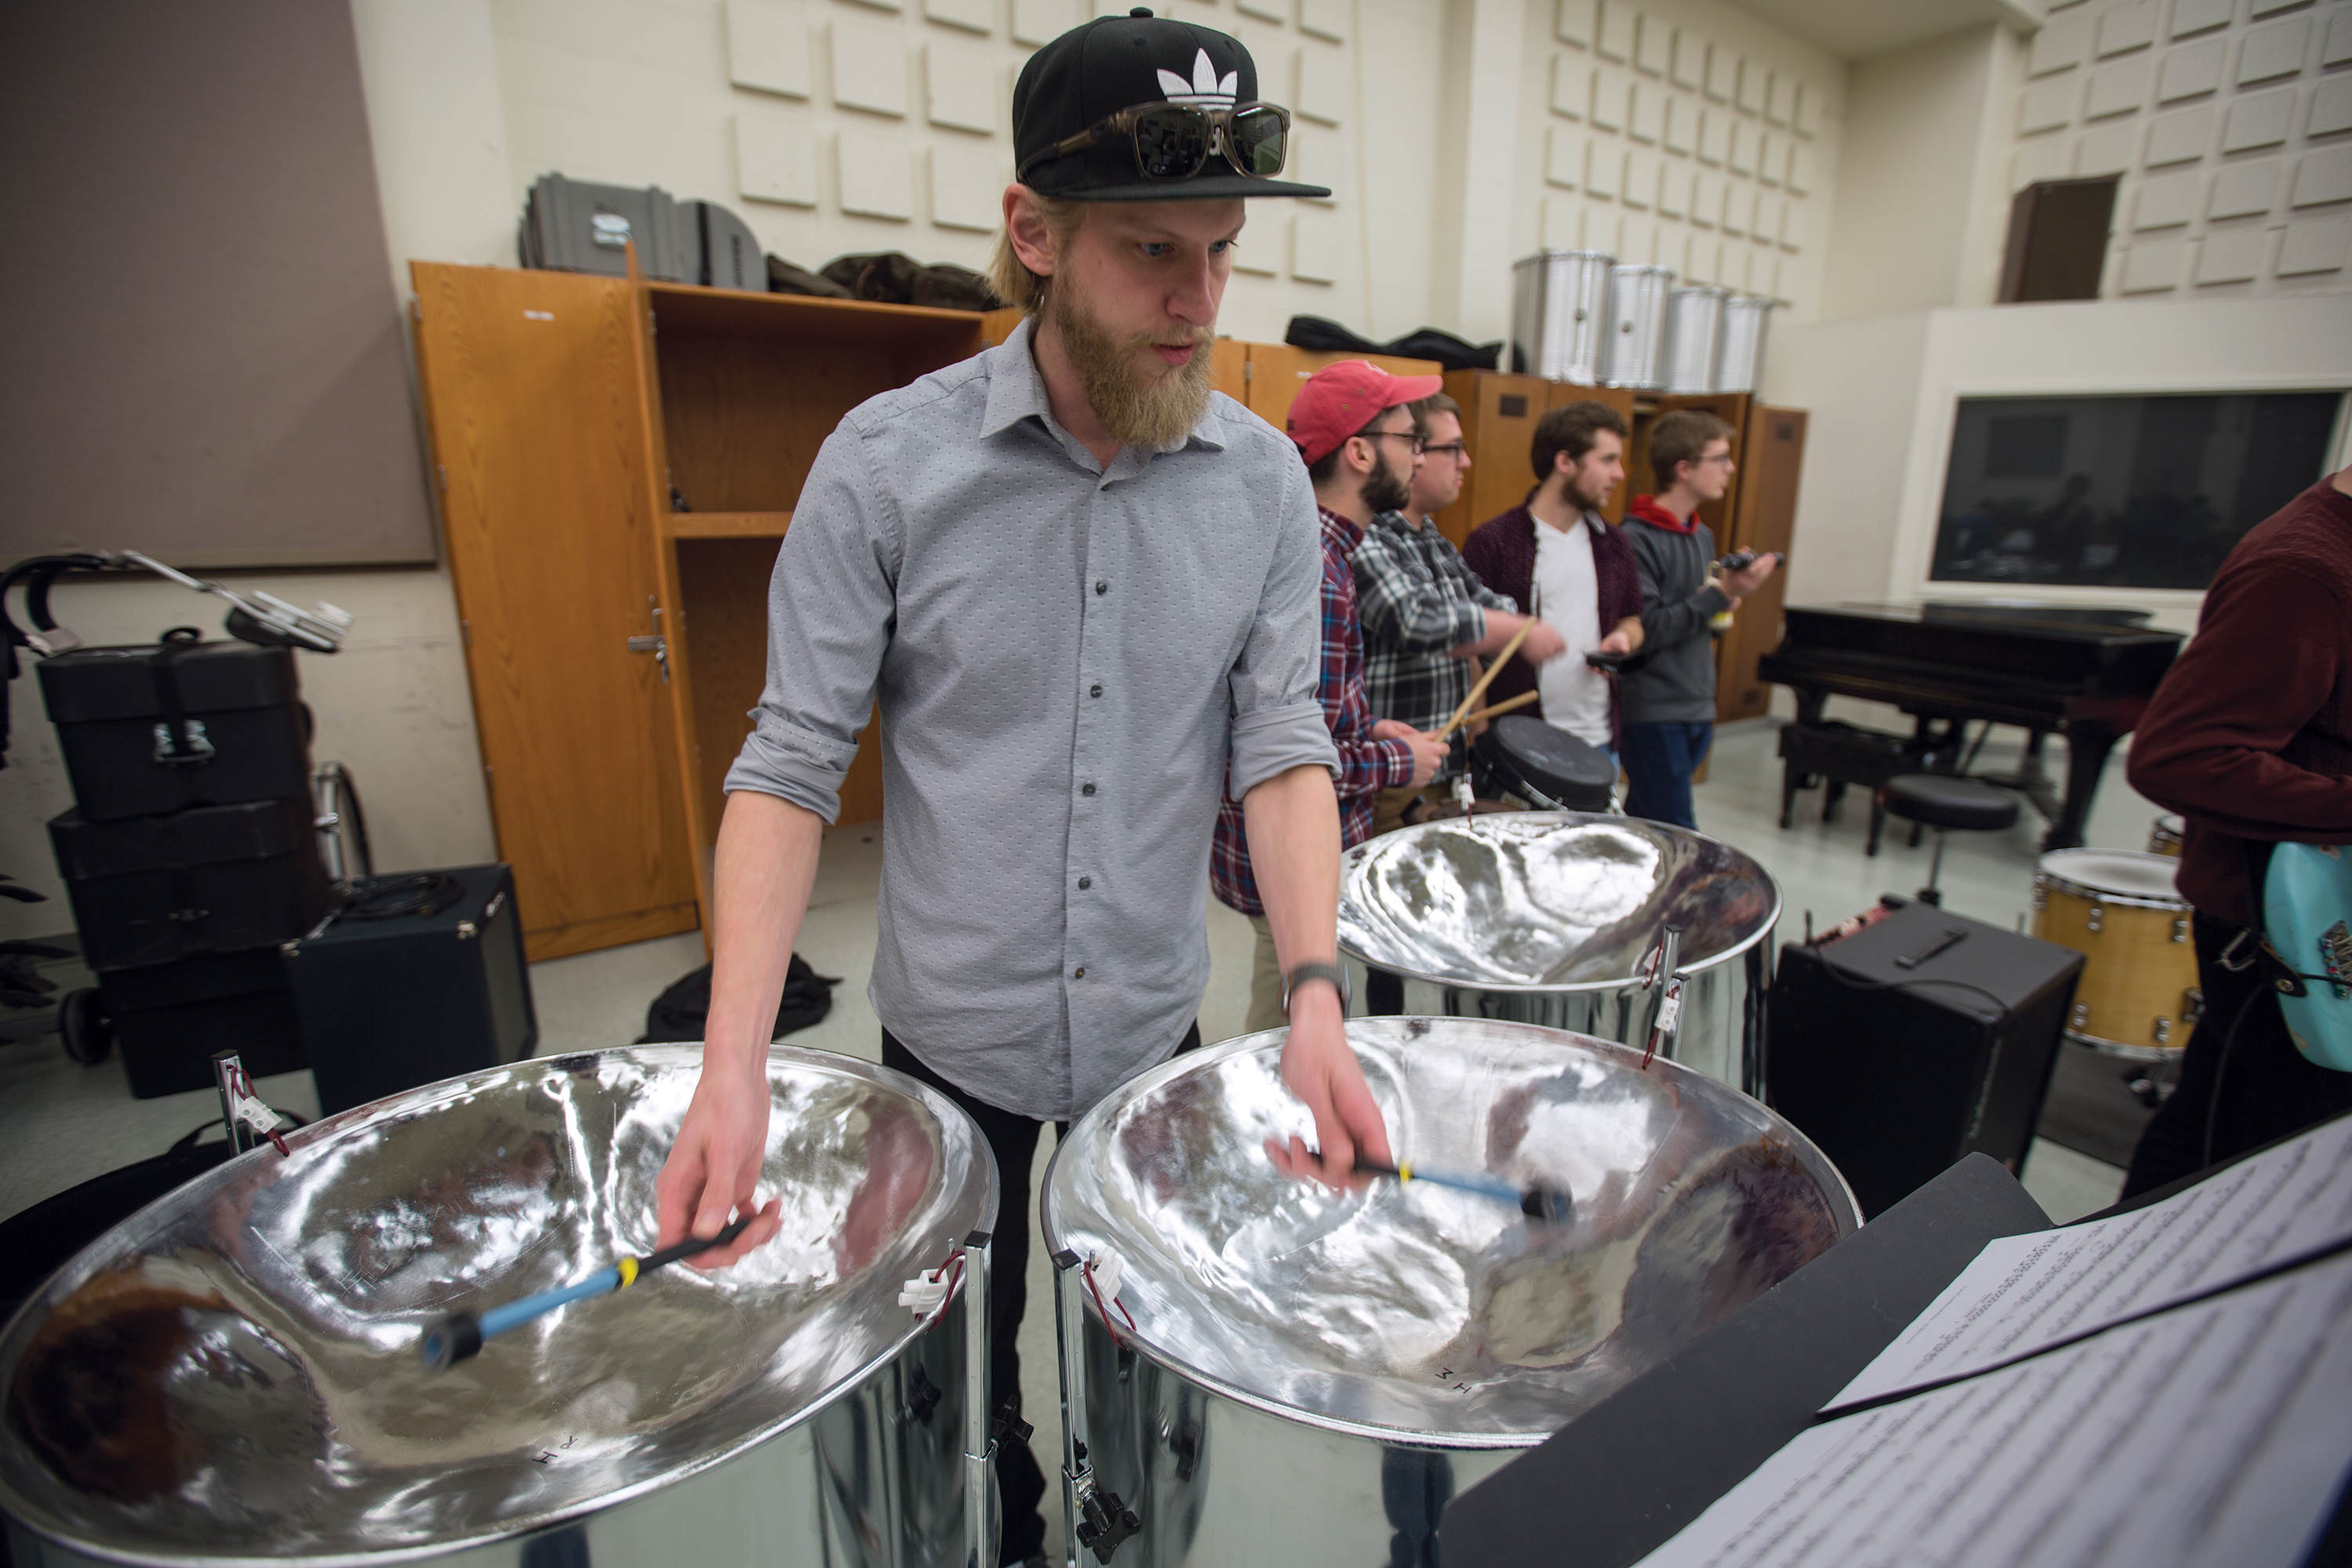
pixel 1568 594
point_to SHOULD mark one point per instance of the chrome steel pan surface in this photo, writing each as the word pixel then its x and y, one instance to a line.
pixel 1547 900
pixel 1417 1314
pixel 233 1372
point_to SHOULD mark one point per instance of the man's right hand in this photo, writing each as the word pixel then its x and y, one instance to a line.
pixel 713 1170
pixel 1748 578
pixel 1429 752
pixel 1544 643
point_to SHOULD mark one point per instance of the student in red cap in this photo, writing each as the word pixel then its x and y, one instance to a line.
pixel 1081 588
pixel 1362 445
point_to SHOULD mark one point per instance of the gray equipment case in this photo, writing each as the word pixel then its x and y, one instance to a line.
pixel 569 225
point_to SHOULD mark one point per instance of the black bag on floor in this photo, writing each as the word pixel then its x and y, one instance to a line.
pixel 681 1012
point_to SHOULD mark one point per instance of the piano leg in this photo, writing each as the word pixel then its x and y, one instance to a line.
pixel 2087 746
pixel 1877 823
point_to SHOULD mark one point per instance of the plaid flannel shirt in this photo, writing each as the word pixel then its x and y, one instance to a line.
pixel 1417 597
pixel 1366 766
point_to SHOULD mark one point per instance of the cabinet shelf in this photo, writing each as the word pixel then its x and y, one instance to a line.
pixel 726 524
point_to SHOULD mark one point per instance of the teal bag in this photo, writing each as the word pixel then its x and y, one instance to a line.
pixel 2307 920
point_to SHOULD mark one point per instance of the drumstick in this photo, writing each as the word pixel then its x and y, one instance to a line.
pixel 1521 701
pixel 1500 660
pixel 461 1335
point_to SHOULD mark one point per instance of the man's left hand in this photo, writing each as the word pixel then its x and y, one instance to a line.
pixel 1320 1068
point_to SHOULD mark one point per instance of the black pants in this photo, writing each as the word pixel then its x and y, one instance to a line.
pixel 1013 1140
pixel 2262 1089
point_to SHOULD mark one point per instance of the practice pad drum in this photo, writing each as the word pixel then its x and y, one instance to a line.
pixel 1543 765
pixel 2138 995
pixel 233 1374
pixel 2164 836
pixel 1252 1359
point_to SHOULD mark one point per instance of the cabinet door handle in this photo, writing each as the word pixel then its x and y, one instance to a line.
pixel 657 646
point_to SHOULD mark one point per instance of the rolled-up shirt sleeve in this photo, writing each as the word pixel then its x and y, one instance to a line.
pixel 830 606
pixel 1277 722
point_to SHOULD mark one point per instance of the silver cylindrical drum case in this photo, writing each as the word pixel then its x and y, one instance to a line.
pixel 1694 327
pixel 1739 349
pixel 1553 918
pixel 1560 308
pixel 1259 1371
pixel 1635 355
pixel 785 1410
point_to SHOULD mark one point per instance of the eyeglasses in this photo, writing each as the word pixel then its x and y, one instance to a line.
pixel 1420 443
pixel 1174 141
pixel 1444 448
pixel 1716 457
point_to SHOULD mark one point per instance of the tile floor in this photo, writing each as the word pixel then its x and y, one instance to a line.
pixel 61 1123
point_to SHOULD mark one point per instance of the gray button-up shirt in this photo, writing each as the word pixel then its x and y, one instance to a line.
pixel 1069 658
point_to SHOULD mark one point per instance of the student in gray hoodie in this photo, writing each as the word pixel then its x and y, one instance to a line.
pixel 1669 701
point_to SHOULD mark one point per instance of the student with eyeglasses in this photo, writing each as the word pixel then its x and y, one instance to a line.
pixel 1669 701
pixel 1082 587
pixel 1426 616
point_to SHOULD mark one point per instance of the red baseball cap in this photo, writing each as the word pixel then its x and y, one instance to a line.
pixel 1340 399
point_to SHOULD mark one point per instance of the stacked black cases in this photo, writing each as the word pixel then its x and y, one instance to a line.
pixel 390 1003
pixel 191 853
pixel 1899 1070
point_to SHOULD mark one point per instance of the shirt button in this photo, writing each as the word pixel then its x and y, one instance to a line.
pixel 1086 789
pixel 1094 691
pixel 1079 973
pixel 1102 584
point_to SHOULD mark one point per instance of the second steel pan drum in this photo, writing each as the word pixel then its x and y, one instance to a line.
pixel 232 1376
pixel 1550 917
pixel 1262 1371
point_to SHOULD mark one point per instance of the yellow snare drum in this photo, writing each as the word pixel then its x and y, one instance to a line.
pixel 2164 837
pixel 2138 990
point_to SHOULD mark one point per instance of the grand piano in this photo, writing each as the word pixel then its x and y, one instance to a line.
pixel 2083 672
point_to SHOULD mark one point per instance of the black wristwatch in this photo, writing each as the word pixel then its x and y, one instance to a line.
pixel 1306 971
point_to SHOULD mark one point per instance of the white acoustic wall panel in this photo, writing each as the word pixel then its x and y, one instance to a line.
pixel 775 159
pixel 768 47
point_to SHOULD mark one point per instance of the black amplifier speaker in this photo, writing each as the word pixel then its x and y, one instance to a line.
pixel 421 977
pixel 1920 1037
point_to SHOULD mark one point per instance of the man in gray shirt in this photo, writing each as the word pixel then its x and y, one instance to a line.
pixel 1084 590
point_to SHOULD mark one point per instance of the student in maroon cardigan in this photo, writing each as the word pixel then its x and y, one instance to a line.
pixel 1578 456
pixel 2250 739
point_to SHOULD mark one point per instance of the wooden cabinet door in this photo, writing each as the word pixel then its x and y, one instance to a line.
pixel 1499 424
pixel 535 410
pixel 1764 517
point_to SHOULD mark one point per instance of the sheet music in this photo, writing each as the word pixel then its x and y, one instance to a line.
pixel 2023 1292
pixel 2218 1434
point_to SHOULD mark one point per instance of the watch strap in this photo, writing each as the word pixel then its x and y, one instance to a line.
pixel 1333 972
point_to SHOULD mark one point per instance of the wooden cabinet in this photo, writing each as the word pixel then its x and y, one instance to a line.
pixel 616 645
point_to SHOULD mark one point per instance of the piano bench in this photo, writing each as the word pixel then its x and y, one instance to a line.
pixel 1842 755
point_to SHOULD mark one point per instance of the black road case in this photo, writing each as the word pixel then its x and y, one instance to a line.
pixel 168 1018
pixel 216 879
pixel 165 726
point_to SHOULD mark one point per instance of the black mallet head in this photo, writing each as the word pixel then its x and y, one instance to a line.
pixel 451 1341
pixel 1552 1205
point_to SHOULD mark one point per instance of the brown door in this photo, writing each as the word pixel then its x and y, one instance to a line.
pixel 534 409
pixel 1763 519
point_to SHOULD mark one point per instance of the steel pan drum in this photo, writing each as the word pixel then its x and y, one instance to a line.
pixel 232 1374
pixel 1547 917
pixel 1308 1374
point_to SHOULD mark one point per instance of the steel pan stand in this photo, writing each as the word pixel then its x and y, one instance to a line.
pixel 1094 1517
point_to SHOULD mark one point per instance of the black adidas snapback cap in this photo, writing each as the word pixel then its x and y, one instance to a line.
pixel 1093 71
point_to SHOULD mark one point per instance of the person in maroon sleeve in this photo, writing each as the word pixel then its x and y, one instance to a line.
pixel 2250 740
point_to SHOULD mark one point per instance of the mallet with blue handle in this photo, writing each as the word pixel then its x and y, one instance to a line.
pixel 461 1335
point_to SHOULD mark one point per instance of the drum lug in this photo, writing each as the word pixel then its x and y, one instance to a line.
pixel 2040 894
pixel 2180 928
pixel 2082 1014
pixel 2098 916
pixel 2192 1005
pixel 2163 1031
